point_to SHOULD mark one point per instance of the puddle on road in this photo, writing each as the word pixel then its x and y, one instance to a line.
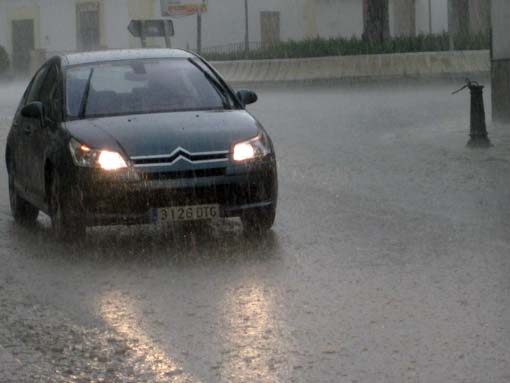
pixel 146 355
pixel 258 351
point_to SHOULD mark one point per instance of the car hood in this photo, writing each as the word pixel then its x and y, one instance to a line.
pixel 162 133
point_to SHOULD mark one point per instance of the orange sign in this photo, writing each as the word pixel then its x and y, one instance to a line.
pixel 184 8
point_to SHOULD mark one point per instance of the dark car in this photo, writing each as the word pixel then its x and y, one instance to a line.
pixel 137 137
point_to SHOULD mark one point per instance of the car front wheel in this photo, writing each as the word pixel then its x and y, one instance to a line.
pixel 64 225
pixel 22 211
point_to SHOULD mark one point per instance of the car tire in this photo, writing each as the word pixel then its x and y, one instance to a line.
pixel 22 211
pixel 259 221
pixel 64 225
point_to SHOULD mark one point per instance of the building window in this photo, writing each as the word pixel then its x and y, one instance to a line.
pixel 269 28
pixel 87 26
pixel 22 44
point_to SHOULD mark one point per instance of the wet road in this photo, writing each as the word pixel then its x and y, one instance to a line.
pixel 389 261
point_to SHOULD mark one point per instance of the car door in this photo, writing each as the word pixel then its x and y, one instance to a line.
pixel 50 95
pixel 22 131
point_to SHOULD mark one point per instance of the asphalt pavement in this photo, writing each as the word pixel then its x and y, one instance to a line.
pixel 389 260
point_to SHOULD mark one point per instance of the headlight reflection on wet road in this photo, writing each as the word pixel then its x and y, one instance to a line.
pixel 146 356
pixel 253 336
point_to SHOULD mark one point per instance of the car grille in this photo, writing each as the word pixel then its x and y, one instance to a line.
pixel 184 174
pixel 177 155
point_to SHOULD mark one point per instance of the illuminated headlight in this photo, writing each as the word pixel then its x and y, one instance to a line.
pixel 111 160
pixel 84 156
pixel 255 148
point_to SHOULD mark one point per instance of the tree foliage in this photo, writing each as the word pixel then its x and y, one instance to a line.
pixel 376 21
pixel 4 60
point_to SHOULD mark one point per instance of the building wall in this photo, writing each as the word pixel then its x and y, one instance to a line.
pixel 408 17
pixel 115 14
pixel 439 15
pixel 55 21
pixel 310 21
pixel 223 23
pixel 17 10
pixel 339 18
pixel 479 15
pixel 402 17
pixel 137 9
pixel 469 15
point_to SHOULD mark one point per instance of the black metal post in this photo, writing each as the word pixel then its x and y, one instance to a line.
pixel 199 31
pixel 478 132
pixel 168 41
pixel 143 38
pixel 478 128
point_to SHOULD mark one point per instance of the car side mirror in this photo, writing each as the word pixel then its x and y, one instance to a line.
pixel 33 110
pixel 247 96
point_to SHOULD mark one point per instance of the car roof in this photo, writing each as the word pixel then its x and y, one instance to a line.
pixel 122 54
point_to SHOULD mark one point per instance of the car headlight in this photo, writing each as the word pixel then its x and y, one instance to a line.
pixel 91 158
pixel 257 147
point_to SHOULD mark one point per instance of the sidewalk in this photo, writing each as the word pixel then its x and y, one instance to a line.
pixel 499 134
pixel 8 366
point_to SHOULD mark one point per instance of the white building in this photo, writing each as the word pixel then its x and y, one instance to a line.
pixel 74 25
pixel 418 16
pixel 500 61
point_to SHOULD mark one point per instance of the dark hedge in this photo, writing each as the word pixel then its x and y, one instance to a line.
pixel 320 47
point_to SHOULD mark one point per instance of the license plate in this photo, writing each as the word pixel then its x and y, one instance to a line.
pixel 185 213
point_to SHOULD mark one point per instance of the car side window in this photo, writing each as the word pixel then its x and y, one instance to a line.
pixel 22 102
pixel 33 94
pixel 49 94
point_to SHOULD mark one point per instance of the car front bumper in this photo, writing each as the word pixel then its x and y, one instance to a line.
pixel 236 189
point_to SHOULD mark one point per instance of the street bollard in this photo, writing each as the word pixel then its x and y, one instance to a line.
pixel 478 128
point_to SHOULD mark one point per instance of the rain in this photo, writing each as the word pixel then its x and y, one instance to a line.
pixel 254 191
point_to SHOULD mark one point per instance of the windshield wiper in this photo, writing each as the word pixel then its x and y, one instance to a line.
pixel 85 99
pixel 215 83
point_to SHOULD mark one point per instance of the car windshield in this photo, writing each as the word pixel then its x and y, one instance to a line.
pixel 143 86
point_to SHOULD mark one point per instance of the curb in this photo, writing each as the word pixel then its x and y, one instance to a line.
pixel 398 65
pixel 8 365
